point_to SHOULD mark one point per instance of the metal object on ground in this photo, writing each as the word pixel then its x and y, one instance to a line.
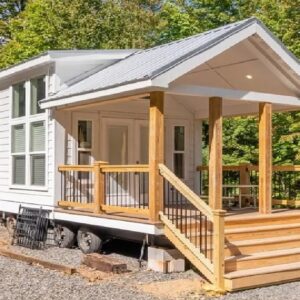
pixel 31 227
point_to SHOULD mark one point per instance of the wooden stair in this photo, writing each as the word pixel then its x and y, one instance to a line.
pixel 262 250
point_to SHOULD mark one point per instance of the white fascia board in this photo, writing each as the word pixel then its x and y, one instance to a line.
pixel 101 95
pixel 197 60
pixel 203 91
pixel 278 49
pixel 91 55
pixel 109 223
pixel 32 63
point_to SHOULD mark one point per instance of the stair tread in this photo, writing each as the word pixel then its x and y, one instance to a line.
pixel 261 228
pixel 265 254
pixel 238 218
pixel 263 270
pixel 262 241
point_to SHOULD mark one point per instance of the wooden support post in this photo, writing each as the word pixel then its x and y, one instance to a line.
pixel 265 158
pixel 215 153
pixel 218 249
pixel 99 187
pixel 156 153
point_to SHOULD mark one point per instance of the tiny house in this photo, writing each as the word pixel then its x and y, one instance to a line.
pixel 110 142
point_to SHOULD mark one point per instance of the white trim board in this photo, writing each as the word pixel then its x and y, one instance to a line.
pixel 230 94
pixel 109 223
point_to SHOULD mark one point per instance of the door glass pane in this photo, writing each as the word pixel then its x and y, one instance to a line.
pixel 18 169
pixel 38 170
pixel 118 144
pixel 179 138
pixel 85 134
pixel 37 136
pixel 18 100
pixel 38 92
pixel 84 157
pixel 179 164
pixel 144 144
pixel 18 138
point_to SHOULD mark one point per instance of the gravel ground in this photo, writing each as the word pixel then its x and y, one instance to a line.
pixel 19 280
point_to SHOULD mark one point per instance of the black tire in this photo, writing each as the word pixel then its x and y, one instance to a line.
pixel 64 236
pixel 88 241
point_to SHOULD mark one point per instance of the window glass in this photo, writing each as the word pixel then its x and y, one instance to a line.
pixel 19 98
pixel 84 157
pixel 38 169
pixel 37 136
pixel 18 138
pixel 179 165
pixel 85 134
pixel 38 92
pixel 179 138
pixel 19 169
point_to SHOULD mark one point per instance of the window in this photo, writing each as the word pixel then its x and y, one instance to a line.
pixel 38 92
pixel 19 96
pixel 28 134
pixel 179 151
pixel 84 142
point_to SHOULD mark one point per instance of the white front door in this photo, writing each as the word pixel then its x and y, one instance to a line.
pixel 124 142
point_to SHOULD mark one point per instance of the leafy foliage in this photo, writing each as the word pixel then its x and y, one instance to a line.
pixel 33 26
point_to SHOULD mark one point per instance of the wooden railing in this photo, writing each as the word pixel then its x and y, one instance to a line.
pixel 126 189
pixel 106 188
pixel 77 186
pixel 194 224
pixel 285 181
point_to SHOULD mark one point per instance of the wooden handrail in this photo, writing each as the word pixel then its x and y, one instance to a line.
pixel 125 168
pixel 185 191
pixel 249 167
pixel 77 168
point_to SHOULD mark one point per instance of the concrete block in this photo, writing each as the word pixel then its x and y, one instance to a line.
pixel 165 260
pixel 176 265
pixel 157 265
pixel 163 254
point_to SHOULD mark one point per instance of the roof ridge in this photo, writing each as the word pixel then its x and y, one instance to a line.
pixel 198 35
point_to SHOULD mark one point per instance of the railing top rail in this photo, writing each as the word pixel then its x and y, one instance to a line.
pixel 125 168
pixel 186 192
pixel 78 168
pixel 249 167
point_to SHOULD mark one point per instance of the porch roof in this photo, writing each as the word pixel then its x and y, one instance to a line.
pixel 156 67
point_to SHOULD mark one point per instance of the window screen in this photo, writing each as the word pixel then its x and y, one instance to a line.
pixel 37 136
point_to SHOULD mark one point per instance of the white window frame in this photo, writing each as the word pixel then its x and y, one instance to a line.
pixel 27 120
pixel 93 117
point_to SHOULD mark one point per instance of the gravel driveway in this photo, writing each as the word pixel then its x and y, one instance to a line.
pixel 19 280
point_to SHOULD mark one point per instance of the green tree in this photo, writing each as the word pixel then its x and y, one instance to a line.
pixel 79 24
pixel 8 10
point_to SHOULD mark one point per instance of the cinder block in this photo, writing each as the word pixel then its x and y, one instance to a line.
pixel 163 254
pixel 165 260
pixel 176 266
pixel 157 265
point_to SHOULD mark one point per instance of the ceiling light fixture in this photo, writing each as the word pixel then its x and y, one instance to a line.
pixel 248 76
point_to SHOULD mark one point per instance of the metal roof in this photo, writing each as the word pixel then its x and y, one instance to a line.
pixel 149 63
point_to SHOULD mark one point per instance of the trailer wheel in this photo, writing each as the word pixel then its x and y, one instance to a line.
pixel 64 236
pixel 88 241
